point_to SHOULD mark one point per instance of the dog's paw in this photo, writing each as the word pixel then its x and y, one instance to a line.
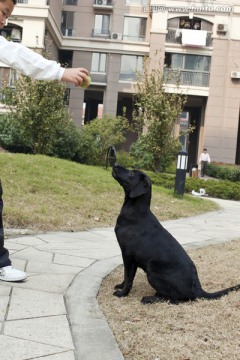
pixel 119 293
pixel 119 286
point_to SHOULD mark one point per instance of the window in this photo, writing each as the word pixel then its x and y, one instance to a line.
pixel 70 2
pixel 130 64
pixel 186 23
pixel 134 28
pixel 101 26
pixel 99 62
pixel 197 62
pixel 194 69
pixel 67 25
pixel 134 2
pixel 188 62
pixel 13 77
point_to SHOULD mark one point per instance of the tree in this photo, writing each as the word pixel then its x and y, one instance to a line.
pixel 98 135
pixel 38 107
pixel 157 114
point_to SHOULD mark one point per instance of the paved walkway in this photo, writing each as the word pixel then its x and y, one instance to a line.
pixel 54 315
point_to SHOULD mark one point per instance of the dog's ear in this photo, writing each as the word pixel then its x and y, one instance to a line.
pixel 141 188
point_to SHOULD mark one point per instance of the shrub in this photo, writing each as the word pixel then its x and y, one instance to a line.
pixel 224 172
pixel 12 136
pixel 224 189
pixel 63 145
pixel 66 143
pixel 97 136
pixel 124 159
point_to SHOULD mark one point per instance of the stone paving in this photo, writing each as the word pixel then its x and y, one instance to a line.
pixel 54 314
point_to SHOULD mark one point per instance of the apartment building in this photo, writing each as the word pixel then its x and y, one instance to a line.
pixel 111 39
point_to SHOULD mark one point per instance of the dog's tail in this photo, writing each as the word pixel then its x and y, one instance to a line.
pixel 218 294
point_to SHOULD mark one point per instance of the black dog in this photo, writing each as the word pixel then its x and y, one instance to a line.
pixel 146 244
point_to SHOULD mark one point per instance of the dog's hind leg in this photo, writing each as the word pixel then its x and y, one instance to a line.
pixel 130 269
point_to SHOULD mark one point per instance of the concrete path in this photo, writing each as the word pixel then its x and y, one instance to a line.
pixel 54 314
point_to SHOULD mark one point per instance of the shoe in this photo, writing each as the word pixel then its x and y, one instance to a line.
pixel 8 273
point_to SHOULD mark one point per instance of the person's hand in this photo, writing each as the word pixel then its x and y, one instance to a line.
pixel 75 76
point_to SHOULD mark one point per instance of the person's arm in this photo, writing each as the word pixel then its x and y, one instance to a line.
pixel 30 63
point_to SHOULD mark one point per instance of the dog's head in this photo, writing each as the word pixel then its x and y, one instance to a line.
pixel 135 183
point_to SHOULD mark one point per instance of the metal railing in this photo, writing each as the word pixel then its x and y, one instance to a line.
pixel 174 36
pixel 186 77
pixel 68 31
pixel 105 34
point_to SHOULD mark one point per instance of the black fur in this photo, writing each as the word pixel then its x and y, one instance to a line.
pixel 146 244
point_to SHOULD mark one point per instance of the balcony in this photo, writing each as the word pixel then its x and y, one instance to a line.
pixel 67 31
pixel 186 77
pixel 103 4
pixel 37 3
pixel 101 33
pixel 99 79
pixel 174 36
pixel 134 38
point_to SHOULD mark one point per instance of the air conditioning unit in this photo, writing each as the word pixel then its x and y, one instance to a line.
pixel 99 2
pixel 116 36
pixel 16 35
pixel 222 28
pixel 235 74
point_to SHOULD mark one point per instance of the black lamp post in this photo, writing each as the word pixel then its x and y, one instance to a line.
pixel 111 156
pixel 181 172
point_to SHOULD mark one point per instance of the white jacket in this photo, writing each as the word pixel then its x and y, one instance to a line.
pixel 28 62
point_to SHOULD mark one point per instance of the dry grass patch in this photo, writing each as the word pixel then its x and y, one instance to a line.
pixel 200 330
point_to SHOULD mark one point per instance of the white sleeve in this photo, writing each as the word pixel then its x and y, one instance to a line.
pixel 28 62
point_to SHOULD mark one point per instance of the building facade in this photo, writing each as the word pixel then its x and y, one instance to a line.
pixel 111 38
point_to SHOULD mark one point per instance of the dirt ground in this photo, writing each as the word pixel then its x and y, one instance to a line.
pixel 200 330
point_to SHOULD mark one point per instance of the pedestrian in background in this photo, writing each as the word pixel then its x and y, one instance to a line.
pixel 204 160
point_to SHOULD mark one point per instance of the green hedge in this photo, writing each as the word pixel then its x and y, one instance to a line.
pixel 223 189
pixel 224 172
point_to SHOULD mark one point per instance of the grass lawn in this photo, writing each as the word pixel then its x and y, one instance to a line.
pixel 48 194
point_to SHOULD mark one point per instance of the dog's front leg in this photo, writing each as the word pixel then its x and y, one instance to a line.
pixel 130 269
